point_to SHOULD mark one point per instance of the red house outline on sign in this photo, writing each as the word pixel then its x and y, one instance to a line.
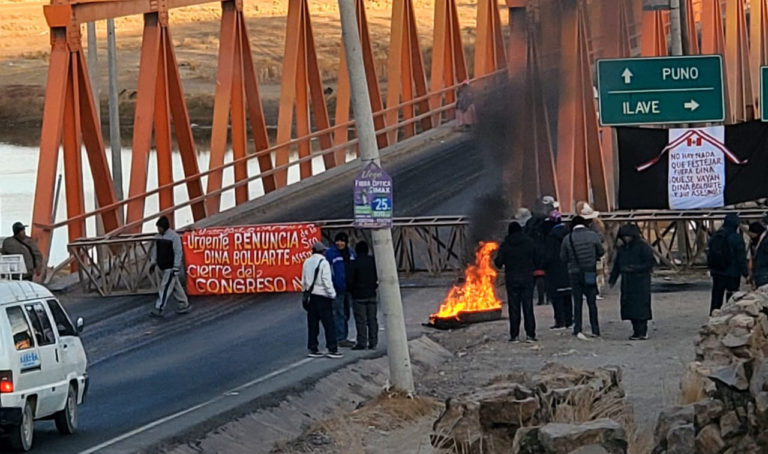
pixel 691 138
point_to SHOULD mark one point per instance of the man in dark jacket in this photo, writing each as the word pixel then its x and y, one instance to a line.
pixel 634 263
pixel 726 260
pixel 363 282
pixel 558 283
pixel 581 249
pixel 21 244
pixel 517 256
pixel 759 253
pixel 340 258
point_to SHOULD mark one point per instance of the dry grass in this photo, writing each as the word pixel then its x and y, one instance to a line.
pixel 390 411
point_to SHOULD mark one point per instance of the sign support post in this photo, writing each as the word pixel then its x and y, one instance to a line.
pixel 400 372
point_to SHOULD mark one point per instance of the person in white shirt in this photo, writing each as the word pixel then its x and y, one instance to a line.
pixel 316 278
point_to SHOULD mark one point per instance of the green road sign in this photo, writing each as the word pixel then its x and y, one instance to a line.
pixel 764 93
pixel 661 90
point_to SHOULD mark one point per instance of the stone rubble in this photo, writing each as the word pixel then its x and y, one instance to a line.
pixel 556 411
pixel 731 375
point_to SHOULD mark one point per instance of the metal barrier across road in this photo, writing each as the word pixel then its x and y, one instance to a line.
pixel 429 245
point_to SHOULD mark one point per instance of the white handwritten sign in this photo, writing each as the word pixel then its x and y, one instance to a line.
pixel 697 168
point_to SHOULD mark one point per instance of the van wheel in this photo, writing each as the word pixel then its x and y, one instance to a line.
pixel 66 419
pixel 21 436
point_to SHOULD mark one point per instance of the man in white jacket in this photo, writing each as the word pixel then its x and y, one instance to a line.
pixel 316 278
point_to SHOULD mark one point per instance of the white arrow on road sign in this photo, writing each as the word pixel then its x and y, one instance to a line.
pixel 692 105
pixel 627 75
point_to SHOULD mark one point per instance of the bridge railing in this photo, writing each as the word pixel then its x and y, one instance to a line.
pixel 441 113
pixel 434 246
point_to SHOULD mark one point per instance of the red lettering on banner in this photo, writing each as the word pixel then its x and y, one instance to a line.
pixel 240 260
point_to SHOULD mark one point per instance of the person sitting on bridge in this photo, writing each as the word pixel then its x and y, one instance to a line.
pixel 21 244
pixel 727 261
pixel 341 257
pixel 167 255
pixel 316 279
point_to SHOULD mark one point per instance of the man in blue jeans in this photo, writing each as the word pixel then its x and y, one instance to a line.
pixel 340 257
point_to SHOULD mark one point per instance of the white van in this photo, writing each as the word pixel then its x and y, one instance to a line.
pixel 43 368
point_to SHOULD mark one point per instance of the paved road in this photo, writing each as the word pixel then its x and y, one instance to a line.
pixel 144 370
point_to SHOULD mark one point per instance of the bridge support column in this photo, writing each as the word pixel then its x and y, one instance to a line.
pixel 301 85
pixel 160 99
pixel 737 54
pixel 70 116
pixel 654 39
pixel 490 55
pixel 237 90
pixel 579 160
pixel 343 95
pixel 449 66
pixel 405 71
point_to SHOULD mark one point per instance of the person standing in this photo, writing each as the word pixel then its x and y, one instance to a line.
pixel 758 254
pixel 537 228
pixel 726 260
pixel 340 258
pixel 634 263
pixel 465 108
pixel 517 256
pixel 581 250
pixel 21 244
pixel 316 279
pixel 558 282
pixel 363 282
pixel 167 255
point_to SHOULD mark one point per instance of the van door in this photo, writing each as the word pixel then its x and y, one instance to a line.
pixel 72 353
pixel 30 379
pixel 53 394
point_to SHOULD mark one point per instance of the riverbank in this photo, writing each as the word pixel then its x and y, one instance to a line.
pixel 25 49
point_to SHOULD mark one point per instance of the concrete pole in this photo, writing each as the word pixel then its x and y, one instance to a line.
pixel 114 111
pixel 676 27
pixel 683 7
pixel 93 66
pixel 400 373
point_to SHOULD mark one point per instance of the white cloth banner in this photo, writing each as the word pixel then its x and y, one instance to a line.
pixel 697 168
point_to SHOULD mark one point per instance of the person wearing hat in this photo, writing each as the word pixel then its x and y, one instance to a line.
pixel 167 255
pixel 594 224
pixel 341 256
pixel 21 244
pixel 316 278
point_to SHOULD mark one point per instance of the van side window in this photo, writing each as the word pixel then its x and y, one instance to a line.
pixel 22 335
pixel 41 324
pixel 63 324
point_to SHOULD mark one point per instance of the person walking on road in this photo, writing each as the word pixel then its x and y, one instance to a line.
pixel 340 258
pixel 634 263
pixel 364 281
pixel 581 250
pixel 726 260
pixel 167 255
pixel 316 279
pixel 21 244
pixel 517 256
pixel 558 282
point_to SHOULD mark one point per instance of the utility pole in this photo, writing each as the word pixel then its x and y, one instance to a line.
pixel 676 27
pixel 400 373
pixel 684 31
pixel 114 112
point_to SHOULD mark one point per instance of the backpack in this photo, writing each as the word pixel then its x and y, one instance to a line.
pixel 719 252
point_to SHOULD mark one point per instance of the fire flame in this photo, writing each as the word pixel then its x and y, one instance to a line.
pixel 477 293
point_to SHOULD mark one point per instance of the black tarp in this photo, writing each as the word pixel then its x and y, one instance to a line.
pixel 648 189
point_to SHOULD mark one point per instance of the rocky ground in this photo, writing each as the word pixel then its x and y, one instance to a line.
pixel 480 353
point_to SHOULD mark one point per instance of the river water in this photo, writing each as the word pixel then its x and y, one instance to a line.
pixel 18 174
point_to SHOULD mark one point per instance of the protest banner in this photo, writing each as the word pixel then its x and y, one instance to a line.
pixel 248 259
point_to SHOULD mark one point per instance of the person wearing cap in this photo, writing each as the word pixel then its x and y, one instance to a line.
pixel 341 256
pixel 167 255
pixel 594 224
pixel 582 249
pixel 21 244
pixel 316 279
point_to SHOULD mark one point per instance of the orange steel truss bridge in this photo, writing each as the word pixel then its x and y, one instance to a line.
pixel 554 40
